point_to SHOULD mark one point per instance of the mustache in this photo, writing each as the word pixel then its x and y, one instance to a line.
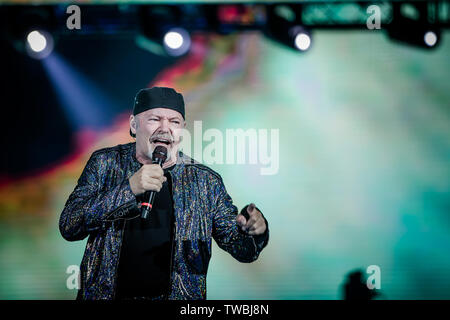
pixel 162 136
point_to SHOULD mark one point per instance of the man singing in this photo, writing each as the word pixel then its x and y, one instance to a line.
pixel 165 256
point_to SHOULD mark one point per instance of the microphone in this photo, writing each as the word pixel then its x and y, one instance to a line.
pixel 158 157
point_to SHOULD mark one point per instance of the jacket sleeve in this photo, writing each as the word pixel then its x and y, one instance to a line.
pixel 92 203
pixel 227 233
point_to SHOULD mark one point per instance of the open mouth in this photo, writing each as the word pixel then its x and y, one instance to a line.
pixel 161 141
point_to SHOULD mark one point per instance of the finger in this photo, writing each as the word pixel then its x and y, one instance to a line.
pixel 153 170
pixel 156 181
pixel 154 166
pixel 257 231
pixel 256 214
pixel 248 226
pixel 254 225
pixel 159 170
pixel 251 222
pixel 151 175
pixel 259 227
pixel 153 185
pixel 240 219
pixel 253 211
pixel 162 179
pixel 151 167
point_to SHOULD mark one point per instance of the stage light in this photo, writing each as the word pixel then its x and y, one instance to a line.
pixel 415 34
pixel 161 31
pixel 430 38
pixel 302 41
pixel 36 41
pixel 39 44
pixel 30 30
pixel 284 25
pixel 299 38
pixel 173 40
pixel 176 42
pixel 413 29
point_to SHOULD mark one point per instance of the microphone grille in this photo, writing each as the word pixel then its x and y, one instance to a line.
pixel 160 152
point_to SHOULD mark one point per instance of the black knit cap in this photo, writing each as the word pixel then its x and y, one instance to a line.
pixel 157 97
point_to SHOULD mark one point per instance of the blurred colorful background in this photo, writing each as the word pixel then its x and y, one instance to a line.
pixel 364 150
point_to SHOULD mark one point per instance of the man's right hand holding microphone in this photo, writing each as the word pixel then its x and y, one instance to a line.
pixel 149 177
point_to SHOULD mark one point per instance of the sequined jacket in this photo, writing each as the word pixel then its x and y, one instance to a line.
pixel 102 201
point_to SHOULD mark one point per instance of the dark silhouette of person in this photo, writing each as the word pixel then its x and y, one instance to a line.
pixel 355 287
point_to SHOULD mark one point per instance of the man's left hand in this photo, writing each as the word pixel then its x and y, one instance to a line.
pixel 255 225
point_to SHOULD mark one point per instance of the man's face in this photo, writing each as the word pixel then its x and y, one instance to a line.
pixel 155 127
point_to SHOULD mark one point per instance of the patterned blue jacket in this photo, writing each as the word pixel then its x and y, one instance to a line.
pixel 102 201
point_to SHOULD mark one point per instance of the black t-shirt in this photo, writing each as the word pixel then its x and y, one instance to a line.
pixel 146 248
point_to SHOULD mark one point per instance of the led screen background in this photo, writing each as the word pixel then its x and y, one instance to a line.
pixel 363 174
